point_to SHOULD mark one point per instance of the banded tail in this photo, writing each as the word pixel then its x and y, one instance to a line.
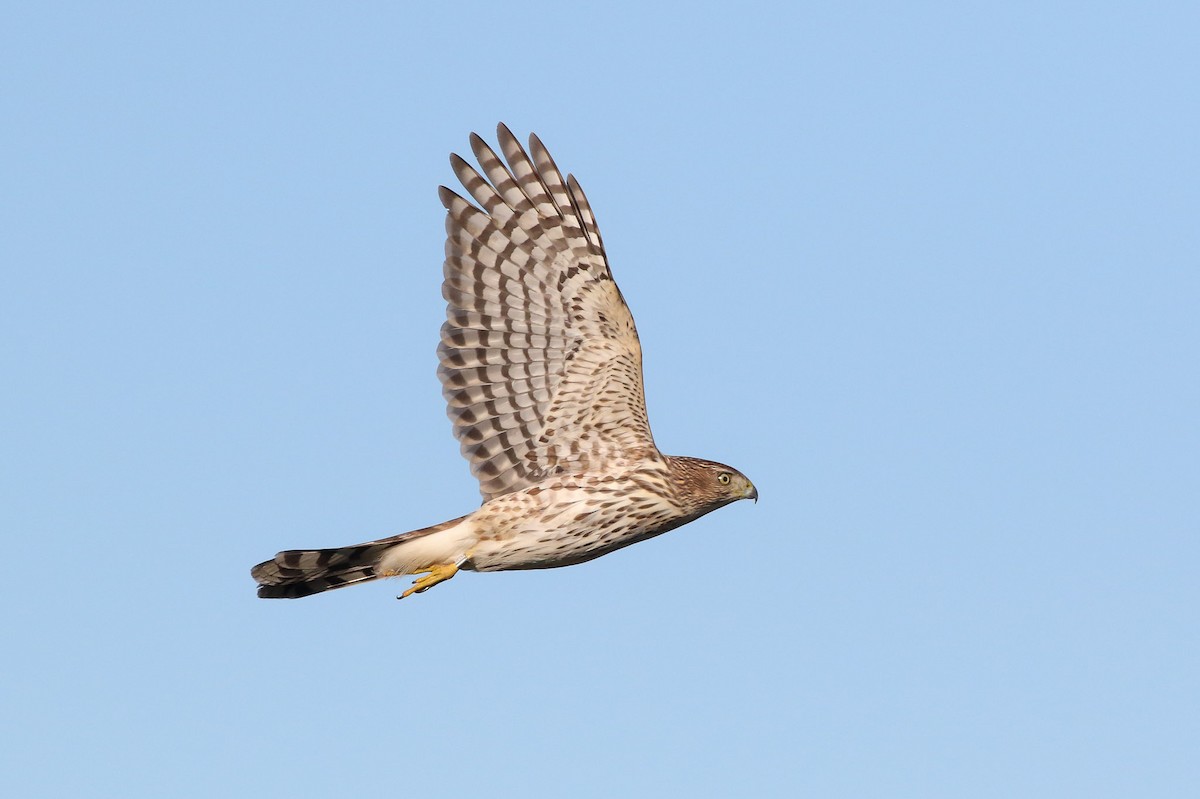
pixel 297 573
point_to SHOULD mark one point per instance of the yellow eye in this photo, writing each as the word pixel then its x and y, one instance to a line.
pixel 723 478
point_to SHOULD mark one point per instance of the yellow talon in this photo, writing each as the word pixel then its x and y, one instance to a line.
pixel 435 575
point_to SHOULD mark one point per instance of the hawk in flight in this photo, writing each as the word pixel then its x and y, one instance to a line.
pixel 542 374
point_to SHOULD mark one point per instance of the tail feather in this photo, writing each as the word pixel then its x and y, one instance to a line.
pixel 298 573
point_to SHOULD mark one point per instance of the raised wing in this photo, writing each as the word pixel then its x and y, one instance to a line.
pixel 540 361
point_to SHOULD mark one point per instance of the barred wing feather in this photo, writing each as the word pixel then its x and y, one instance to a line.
pixel 539 358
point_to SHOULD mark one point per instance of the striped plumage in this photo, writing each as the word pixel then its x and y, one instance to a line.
pixel 541 369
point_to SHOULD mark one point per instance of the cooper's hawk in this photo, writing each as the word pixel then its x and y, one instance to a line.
pixel 542 372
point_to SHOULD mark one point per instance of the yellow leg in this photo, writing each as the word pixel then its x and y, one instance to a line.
pixel 435 575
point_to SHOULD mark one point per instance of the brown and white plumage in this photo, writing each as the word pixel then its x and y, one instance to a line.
pixel 541 369
pixel 540 360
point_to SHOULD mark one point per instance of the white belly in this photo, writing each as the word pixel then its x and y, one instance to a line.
pixel 564 522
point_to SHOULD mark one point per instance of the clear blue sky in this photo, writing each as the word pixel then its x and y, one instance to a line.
pixel 928 274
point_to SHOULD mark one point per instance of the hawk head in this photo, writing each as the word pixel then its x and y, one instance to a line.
pixel 707 485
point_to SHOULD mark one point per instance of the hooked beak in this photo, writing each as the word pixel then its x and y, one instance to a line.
pixel 751 492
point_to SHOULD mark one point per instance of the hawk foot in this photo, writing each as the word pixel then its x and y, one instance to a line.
pixel 435 575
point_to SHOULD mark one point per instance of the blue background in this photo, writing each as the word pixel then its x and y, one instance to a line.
pixel 927 273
